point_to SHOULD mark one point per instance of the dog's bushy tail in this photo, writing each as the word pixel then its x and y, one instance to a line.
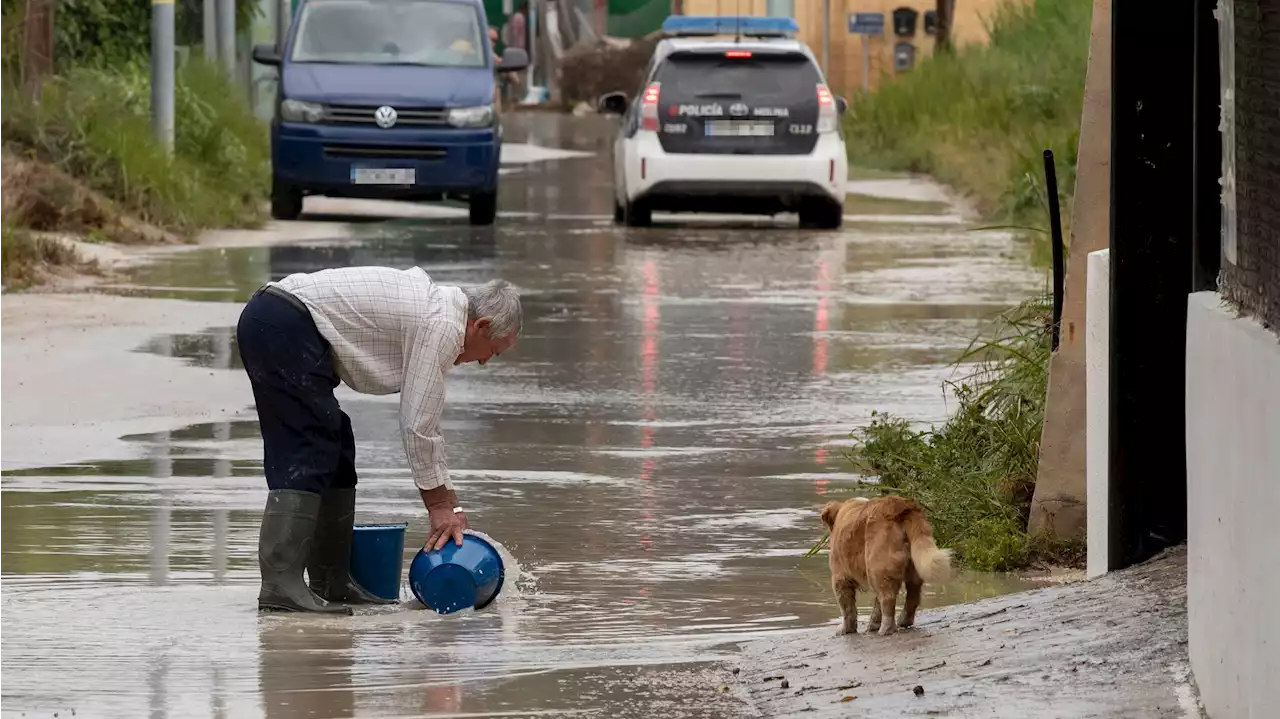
pixel 933 564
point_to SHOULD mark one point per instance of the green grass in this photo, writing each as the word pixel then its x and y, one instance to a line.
pixel 979 120
pixel 975 474
pixel 94 125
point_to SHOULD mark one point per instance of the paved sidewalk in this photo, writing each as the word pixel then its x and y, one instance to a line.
pixel 1111 647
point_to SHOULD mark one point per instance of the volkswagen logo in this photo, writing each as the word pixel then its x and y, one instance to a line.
pixel 385 116
pixel 738 109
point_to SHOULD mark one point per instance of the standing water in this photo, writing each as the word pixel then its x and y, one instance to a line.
pixel 651 456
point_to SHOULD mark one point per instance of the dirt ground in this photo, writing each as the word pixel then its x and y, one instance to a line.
pixel 1112 647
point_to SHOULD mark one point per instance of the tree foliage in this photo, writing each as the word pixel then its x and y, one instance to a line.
pixel 105 33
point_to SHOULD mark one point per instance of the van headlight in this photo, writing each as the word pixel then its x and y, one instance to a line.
pixel 481 116
pixel 301 111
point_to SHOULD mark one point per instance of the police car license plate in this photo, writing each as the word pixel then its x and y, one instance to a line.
pixel 383 176
pixel 739 128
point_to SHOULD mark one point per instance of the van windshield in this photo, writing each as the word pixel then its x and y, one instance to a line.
pixel 390 32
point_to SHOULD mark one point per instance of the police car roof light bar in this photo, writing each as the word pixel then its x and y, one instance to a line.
pixel 750 26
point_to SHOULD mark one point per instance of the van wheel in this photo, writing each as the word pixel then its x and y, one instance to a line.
pixel 286 201
pixel 484 208
pixel 824 216
pixel 638 214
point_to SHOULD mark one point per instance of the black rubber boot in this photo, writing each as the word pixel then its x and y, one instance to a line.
pixel 288 530
pixel 330 565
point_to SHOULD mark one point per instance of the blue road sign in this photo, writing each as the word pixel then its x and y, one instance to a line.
pixel 866 23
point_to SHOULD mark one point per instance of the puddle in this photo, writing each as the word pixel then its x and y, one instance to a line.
pixel 653 452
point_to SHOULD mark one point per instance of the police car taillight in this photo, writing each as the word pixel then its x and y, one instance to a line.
pixel 649 107
pixel 828 115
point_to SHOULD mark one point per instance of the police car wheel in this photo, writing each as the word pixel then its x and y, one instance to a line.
pixel 286 201
pixel 618 213
pixel 825 216
pixel 638 214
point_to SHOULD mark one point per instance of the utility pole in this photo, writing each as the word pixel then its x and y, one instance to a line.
pixel 284 17
pixel 227 36
pixel 209 30
pixel 162 58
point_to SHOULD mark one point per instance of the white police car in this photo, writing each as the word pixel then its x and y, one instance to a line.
pixel 742 124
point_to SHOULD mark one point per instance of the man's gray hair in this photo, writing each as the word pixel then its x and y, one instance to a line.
pixel 498 301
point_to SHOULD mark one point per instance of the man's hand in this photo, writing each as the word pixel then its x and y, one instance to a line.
pixel 445 522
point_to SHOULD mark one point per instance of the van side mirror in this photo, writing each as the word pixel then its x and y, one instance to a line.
pixel 612 103
pixel 513 59
pixel 842 105
pixel 266 54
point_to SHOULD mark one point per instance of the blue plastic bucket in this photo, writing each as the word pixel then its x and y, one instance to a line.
pixel 377 557
pixel 454 578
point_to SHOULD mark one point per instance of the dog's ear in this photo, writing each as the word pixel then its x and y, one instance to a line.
pixel 829 512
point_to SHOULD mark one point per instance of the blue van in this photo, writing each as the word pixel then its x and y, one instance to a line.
pixel 387 99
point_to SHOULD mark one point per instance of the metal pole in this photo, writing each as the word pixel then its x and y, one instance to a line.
pixel 1055 229
pixel 209 30
pixel 826 39
pixel 284 18
pixel 227 36
pixel 162 58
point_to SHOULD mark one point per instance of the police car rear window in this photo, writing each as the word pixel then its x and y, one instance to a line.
pixel 718 75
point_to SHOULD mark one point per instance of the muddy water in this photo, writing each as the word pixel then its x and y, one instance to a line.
pixel 652 453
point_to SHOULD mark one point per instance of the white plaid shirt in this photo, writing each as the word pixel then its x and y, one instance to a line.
pixel 392 331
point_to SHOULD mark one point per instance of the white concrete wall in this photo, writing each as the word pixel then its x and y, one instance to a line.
pixel 1233 512
pixel 1097 362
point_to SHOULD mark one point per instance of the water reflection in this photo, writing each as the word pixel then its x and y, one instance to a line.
pixel 301 666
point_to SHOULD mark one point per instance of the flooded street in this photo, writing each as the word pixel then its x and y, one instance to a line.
pixel 652 453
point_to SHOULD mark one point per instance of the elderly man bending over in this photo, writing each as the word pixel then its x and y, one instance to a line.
pixel 380 330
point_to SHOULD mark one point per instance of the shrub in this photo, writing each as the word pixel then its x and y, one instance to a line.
pixel 975 474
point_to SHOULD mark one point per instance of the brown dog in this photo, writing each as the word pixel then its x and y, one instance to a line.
pixel 882 544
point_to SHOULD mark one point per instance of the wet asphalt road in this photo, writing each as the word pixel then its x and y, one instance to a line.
pixel 652 454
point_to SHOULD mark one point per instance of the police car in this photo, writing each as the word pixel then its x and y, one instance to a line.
pixel 734 116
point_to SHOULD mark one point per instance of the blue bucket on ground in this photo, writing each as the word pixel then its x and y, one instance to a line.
pixel 454 578
pixel 377 557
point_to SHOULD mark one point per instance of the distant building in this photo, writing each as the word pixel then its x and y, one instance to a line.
pixel 890 54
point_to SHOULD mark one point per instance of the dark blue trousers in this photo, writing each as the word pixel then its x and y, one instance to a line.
pixel 306 437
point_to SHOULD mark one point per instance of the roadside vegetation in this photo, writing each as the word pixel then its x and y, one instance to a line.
pixel 27 256
pixel 975 475
pixel 979 119
pixel 80 158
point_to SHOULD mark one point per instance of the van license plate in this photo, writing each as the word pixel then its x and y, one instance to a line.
pixel 739 128
pixel 383 176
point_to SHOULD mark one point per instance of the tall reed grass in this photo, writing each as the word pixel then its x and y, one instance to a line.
pixel 979 119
